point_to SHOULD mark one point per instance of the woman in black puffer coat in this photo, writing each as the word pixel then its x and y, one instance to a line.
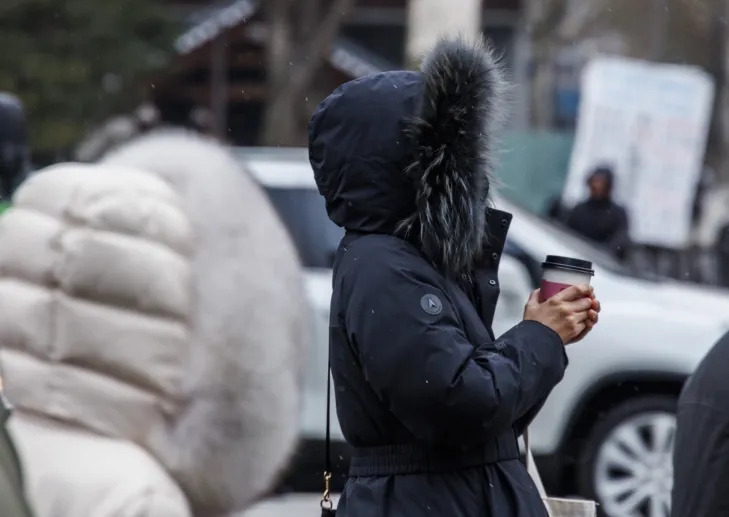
pixel 431 400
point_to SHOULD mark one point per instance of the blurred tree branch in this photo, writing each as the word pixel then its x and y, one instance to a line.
pixel 632 28
pixel 299 37
pixel 561 22
pixel 718 145
pixel 74 61
pixel 699 35
pixel 430 20
pixel 551 26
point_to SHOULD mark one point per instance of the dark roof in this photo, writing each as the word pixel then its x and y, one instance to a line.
pixel 208 23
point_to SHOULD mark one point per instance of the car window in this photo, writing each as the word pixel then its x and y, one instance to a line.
pixel 597 255
pixel 303 212
pixel 533 266
pixel 317 238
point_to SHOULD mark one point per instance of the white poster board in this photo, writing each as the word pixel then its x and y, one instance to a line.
pixel 649 122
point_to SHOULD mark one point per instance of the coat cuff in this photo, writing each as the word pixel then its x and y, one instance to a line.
pixel 549 334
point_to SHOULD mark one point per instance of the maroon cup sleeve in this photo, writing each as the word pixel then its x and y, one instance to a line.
pixel 548 289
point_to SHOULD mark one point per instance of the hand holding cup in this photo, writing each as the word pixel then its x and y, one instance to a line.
pixel 565 301
pixel 571 313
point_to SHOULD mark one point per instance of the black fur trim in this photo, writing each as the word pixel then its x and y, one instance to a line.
pixel 463 107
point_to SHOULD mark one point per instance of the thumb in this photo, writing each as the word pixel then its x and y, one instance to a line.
pixel 533 298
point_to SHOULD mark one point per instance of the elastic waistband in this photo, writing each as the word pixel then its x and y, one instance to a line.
pixel 418 459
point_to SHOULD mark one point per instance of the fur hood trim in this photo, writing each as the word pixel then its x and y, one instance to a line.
pixel 455 136
pixel 248 331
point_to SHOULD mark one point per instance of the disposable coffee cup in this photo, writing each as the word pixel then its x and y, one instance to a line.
pixel 559 273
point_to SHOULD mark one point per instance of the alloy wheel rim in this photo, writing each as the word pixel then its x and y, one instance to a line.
pixel 634 469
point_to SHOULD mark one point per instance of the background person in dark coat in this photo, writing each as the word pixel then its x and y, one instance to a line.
pixel 599 218
pixel 556 211
pixel 14 149
pixel 701 449
pixel 431 401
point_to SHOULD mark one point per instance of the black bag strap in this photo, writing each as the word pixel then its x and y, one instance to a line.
pixel 326 500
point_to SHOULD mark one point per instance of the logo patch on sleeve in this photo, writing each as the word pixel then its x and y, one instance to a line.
pixel 431 304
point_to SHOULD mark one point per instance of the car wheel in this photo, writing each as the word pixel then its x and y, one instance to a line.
pixel 626 463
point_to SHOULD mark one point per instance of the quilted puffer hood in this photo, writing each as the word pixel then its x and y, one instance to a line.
pixel 412 153
pixel 157 298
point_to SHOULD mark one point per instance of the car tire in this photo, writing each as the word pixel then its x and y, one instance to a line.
pixel 626 461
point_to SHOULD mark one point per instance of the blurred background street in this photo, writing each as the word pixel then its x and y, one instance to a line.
pixel 616 151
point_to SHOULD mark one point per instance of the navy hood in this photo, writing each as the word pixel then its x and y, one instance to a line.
pixel 14 148
pixel 411 153
pixel 605 172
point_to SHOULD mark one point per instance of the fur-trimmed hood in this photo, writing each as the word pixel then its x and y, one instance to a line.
pixel 157 298
pixel 412 153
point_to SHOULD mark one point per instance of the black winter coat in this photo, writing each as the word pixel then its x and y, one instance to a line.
pixel 431 402
pixel 602 221
pixel 701 448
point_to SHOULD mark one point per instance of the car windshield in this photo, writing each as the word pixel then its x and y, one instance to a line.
pixel 302 211
pixel 316 238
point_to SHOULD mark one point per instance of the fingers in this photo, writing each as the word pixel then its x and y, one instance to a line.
pixel 532 303
pixel 581 335
pixel 587 325
pixel 579 330
pixel 578 305
pixel 588 317
pixel 573 293
pixel 596 305
pixel 579 317
pixel 572 313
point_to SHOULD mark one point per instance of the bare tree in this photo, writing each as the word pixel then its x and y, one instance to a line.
pixel 634 29
pixel 718 148
pixel 429 20
pixel 300 35
pixel 723 108
pixel 552 25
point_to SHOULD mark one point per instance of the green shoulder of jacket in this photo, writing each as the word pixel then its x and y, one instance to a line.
pixel 12 496
pixel 12 491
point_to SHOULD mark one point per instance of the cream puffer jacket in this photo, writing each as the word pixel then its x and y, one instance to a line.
pixel 152 328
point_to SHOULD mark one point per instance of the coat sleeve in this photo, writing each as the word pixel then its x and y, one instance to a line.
pixel 152 503
pixel 420 363
pixel 701 460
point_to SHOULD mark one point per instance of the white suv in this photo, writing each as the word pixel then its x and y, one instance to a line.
pixel 606 431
